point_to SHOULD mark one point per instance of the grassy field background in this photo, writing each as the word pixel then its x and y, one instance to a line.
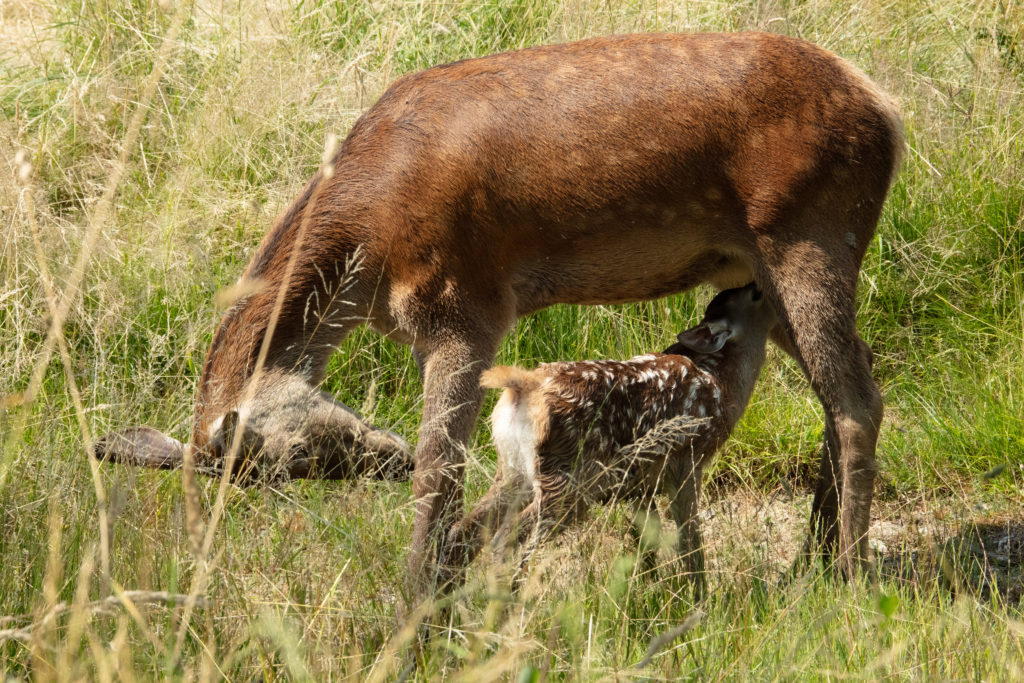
pixel 137 175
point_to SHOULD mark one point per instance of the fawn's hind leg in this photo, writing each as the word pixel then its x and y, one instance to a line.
pixel 558 506
pixel 645 531
pixel 489 519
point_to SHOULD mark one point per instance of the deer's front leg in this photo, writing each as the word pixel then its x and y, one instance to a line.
pixel 451 402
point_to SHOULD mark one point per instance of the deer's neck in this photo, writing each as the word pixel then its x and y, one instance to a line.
pixel 302 292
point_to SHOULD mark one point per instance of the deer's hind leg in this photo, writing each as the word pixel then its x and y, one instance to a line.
pixel 812 284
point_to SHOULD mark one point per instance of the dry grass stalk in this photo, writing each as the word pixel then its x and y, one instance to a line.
pixel 127 600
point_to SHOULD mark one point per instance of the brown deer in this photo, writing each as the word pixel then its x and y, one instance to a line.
pixel 608 170
pixel 570 435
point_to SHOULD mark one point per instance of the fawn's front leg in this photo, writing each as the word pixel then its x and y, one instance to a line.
pixel 684 511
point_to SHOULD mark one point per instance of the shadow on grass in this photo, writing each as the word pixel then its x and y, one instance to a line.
pixel 981 558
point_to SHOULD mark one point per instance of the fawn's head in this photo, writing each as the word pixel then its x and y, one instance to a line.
pixel 734 315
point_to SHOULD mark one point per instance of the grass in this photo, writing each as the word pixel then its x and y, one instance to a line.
pixel 305 578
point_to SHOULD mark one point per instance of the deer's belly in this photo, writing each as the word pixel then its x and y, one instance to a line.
pixel 623 272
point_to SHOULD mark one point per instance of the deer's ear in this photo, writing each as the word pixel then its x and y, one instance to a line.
pixel 230 423
pixel 224 431
pixel 703 340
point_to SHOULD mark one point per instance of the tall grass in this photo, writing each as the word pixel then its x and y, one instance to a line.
pixel 306 577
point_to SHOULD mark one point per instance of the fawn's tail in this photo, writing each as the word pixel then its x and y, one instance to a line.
pixel 519 380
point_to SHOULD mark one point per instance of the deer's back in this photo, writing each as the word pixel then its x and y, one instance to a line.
pixel 552 171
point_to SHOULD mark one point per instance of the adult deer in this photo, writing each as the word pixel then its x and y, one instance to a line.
pixel 604 171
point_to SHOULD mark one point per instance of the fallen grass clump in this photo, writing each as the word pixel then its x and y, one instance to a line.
pixel 147 147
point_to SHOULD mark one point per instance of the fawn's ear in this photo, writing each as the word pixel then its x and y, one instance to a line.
pixel 141 446
pixel 705 339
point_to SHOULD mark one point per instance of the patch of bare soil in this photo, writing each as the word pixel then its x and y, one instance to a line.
pixel 956 546
pixel 982 555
